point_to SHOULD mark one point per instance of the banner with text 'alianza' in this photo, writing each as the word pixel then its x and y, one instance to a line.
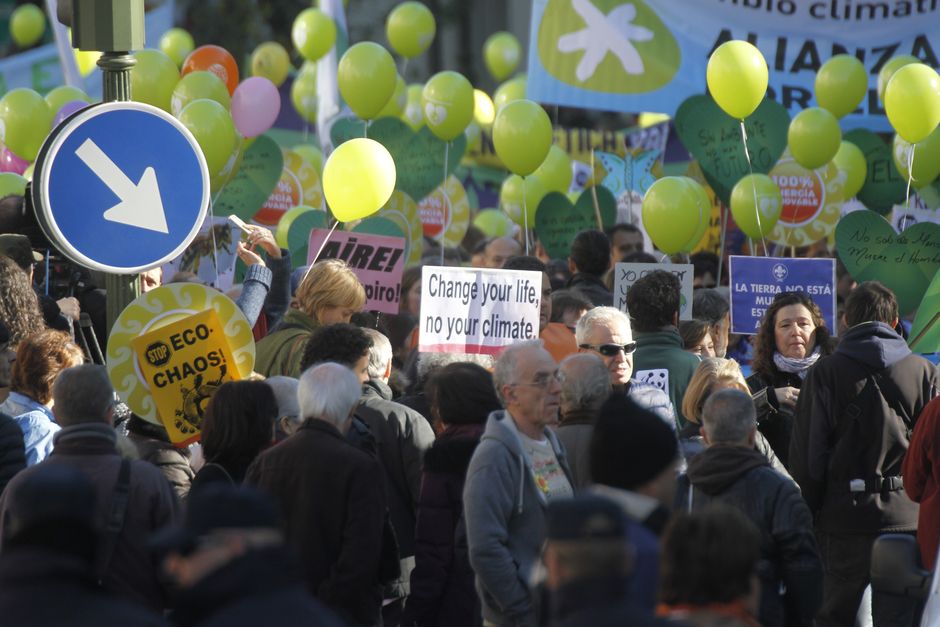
pixel 650 55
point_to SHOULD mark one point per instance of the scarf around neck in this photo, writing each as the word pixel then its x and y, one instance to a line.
pixel 797 366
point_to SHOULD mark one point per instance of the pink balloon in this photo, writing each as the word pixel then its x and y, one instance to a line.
pixel 9 162
pixel 255 105
pixel 68 109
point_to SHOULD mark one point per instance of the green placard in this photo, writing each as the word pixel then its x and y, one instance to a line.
pixel 419 157
pixel 905 263
pixel 298 236
pixel 254 182
pixel 925 332
pixel 557 221
pixel 884 186
pixel 714 139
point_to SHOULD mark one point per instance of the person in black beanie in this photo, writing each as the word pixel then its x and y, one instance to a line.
pixel 634 458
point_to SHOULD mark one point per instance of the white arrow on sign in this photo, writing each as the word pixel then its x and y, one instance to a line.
pixel 140 204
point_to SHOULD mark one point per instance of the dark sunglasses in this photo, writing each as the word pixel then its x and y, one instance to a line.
pixel 611 350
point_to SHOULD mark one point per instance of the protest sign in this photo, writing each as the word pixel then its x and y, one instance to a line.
pixel 812 202
pixel 904 262
pixel 626 274
pixel 184 363
pixel 445 213
pixel 903 216
pixel 468 310
pixel 884 185
pixel 299 184
pixel 925 330
pixel 755 281
pixel 157 309
pixel 378 261
pixel 255 181
pixel 211 255
pixel 557 221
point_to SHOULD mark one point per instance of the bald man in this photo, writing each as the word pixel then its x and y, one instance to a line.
pixel 499 250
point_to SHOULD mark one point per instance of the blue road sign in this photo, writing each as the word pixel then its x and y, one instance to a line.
pixel 121 187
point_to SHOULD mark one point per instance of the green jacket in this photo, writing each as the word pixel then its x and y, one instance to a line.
pixel 280 352
pixel 661 360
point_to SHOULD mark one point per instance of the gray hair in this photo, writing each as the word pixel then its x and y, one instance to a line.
pixel 585 382
pixel 728 417
pixel 380 355
pixel 328 392
pixel 83 394
pixel 285 393
pixel 504 372
pixel 428 363
pixel 596 317
pixel 709 306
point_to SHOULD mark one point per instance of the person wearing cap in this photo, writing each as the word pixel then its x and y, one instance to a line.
pixel 732 472
pixel 634 457
pixel 589 564
pixel 606 332
pixel 131 495
pixel 232 567
pixel 57 313
pixel 47 564
pixel 518 468
pixel 331 496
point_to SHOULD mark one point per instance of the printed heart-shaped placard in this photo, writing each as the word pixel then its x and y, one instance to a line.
pixel 419 156
pixel 557 221
pixel 905 263
pixel 884 186
pixel 256 179
pixel 714 139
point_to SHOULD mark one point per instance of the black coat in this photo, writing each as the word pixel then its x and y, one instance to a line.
pixel 442 582
pixel 742 478
pixel 774 421
pixel 823 459
pixel 598 603
pixel 262 587
pixel 45 588
pixel 592 288
pixel 332 500
pixel 12 451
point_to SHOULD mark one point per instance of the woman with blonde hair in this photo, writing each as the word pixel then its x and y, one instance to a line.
pixel 712 375
pixel 329 293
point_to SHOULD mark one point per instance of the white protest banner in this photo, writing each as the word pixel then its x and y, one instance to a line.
pixel 626 274
pixel 469 310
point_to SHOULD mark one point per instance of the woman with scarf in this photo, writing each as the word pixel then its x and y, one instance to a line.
pixel 791 338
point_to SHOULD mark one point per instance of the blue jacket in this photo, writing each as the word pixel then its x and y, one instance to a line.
pixel 505 515
pixel 37 423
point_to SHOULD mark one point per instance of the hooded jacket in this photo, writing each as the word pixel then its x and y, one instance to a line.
pixel 661 360
pixel 505 515
pixel 823 459
pixel 743 478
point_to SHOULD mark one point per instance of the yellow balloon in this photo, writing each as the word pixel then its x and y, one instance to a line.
pixel 284 224
pixel 447 103
pixel 522 136
pixel 737 78
pixel 303 95
pixel 366 76
pixel 555 171
pixel 484 111
pixel 912 101
pixel 87 61
pixel 395 106
pixel 517 194
pixel 841 84
pixel 311 154
pixel 888 69
pixel 412 115
pixel 851 160
pixel 410 29
pixel 501 53
pixel 271 61
pixel 358 179
pixel 926 155
pixel 507 92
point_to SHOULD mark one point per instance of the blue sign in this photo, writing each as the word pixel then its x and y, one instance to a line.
pixel 121 187
pixel 755 281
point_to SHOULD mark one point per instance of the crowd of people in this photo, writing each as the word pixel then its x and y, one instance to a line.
pixel 622 469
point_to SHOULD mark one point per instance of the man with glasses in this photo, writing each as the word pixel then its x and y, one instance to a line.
pixel 517 469
pixel 605 331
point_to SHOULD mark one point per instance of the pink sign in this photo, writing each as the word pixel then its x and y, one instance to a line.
pixel 378 261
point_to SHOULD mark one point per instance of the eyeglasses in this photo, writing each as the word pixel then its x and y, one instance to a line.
pixel 611 350
pixel 543 379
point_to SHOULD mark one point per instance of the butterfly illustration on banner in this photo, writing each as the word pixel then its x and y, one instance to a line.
pixel 632 172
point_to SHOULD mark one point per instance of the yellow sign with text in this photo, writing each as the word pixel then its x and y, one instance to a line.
pixel 183 364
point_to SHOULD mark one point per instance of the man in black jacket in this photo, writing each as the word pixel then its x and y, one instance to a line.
pixel 730 471
pixel 854 416
pixel 589 260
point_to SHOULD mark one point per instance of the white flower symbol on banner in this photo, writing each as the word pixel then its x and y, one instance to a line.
pixel 613 32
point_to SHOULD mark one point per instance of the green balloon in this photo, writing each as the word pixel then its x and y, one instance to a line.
pixel 154 78
pixel 756 202
pixel 199 85
pixel 176 43
pixel 888 69
pixel 814 137
pixel 212 126
pixel 313 33
pixel 704 214
pixel 303 95
pixel 851 160
pixel 11 184
pixel 25 121
pixel 27 25
pixel 926 155
pixel 513 89
pixel 841 84
pixel 670 213
pixel 63 95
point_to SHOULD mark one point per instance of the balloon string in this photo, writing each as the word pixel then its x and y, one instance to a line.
pixel 525 217
pixel 365 128
pixel 215 250
pixel 597 208
pixel 319 250
pixel 750 168
pixel 404 66
pixel 910 176
pixel 723 223
pixel 444 193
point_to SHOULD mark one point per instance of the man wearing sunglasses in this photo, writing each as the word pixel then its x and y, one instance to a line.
pixel 606 332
